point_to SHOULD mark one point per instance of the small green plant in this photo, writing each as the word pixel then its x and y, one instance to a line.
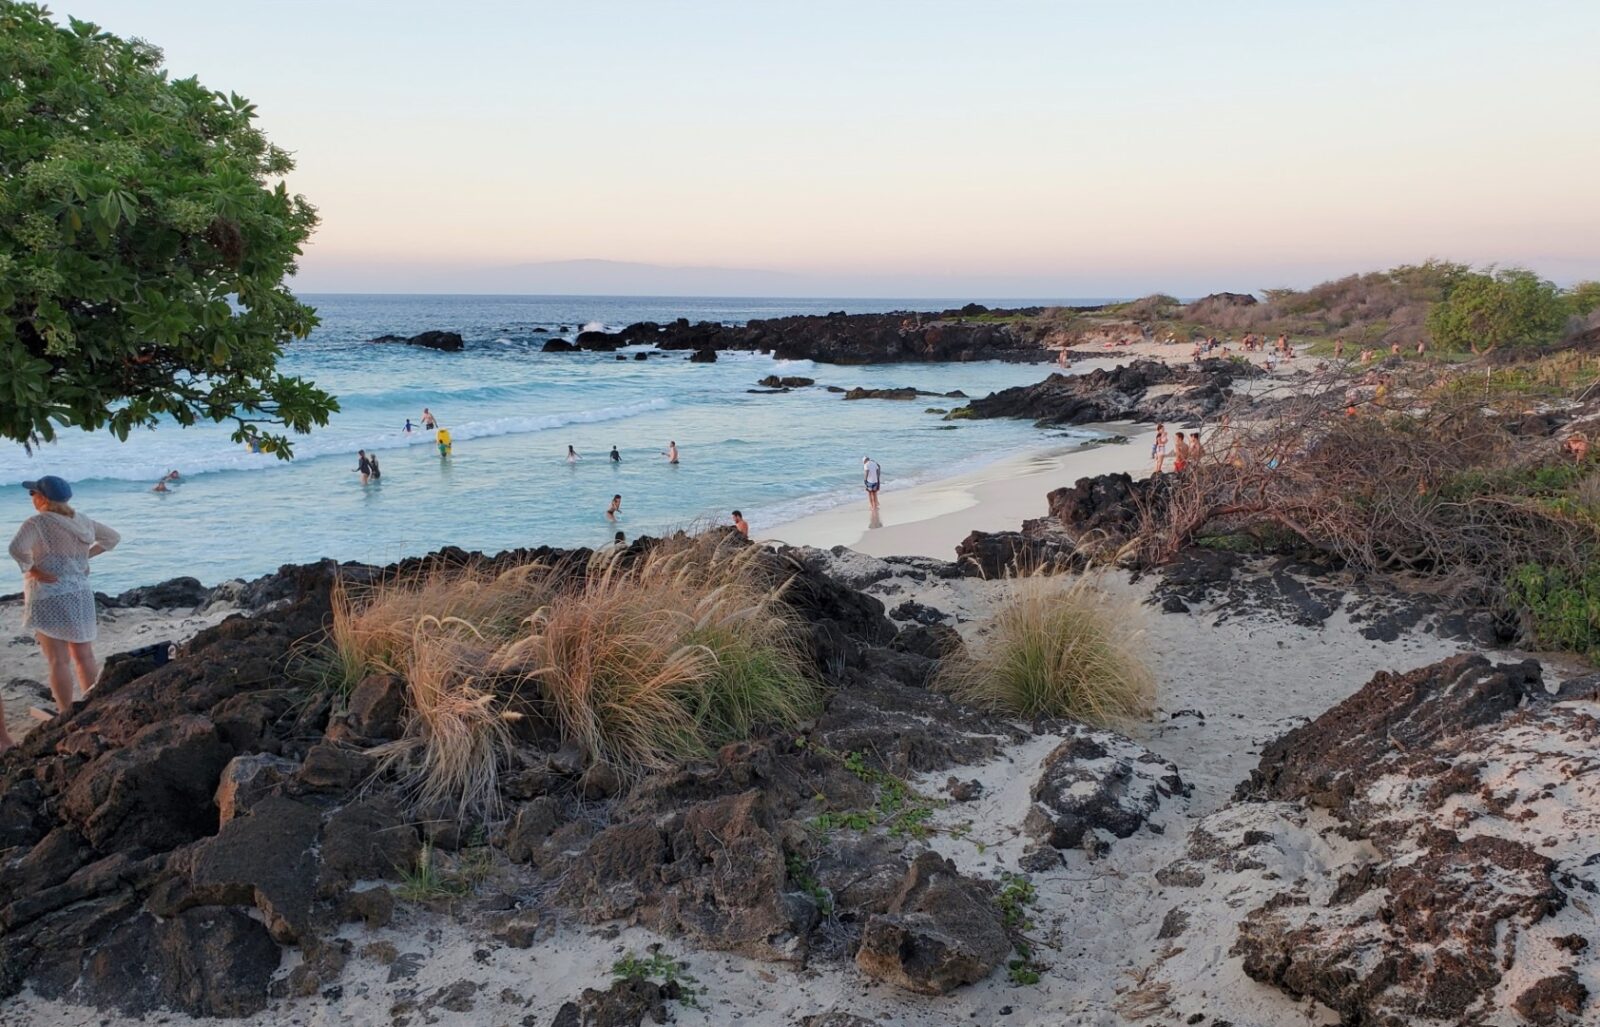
pixel 1015 897
pixel 801 872
pixel 660 968
pixel 1022 971
pixel 899 808
pixel 1016 894
pixel 427 880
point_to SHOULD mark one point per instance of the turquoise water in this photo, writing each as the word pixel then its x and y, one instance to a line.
pixel 513 411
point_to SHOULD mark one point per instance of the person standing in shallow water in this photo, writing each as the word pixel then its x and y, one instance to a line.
pixel 614 509
pixel 672 453
pixel 363 466
pixel 616 457
pixel 872 481
pixel 53 548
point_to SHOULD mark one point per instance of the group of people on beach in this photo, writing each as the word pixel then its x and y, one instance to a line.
pixel 1186 451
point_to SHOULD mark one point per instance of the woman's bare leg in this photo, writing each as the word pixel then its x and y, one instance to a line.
pixel 57 657
pixel 6 741
pixel 88 667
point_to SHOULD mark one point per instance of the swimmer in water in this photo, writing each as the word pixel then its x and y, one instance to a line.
pixel 615 508
pixel 672 453
pixel 428 420
pixel 572 455
pixel 616 457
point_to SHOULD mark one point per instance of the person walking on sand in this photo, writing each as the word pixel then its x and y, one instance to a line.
pixel 616 457
pixel 672 453
pixel 53 548
pixel 872 480
pixel 741 525
pixel 572 455
pixel 363 466
pixel 428 420
pixel 1158 450
pixel 615 508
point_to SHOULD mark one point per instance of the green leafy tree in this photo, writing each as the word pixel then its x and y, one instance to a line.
pixel 145 235
pixel 1510 307
pixel 1583 299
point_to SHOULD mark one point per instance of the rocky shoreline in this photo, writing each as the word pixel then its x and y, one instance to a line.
pixel 971 333
pixel 216 836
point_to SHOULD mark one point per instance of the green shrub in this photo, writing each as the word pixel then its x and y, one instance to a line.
pixel 1563 609
pixel 1511 307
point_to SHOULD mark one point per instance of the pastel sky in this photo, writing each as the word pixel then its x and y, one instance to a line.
pixel 1100 148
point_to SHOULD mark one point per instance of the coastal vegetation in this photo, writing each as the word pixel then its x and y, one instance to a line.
pixel 639 660
pixel 1454 477
pixel 1056 651
pixel 1451 307
pixel 145 239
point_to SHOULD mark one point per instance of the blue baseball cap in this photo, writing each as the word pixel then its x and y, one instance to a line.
pixel 50 487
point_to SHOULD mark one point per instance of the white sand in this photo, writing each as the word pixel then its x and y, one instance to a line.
pixel 929 520
pixel 22 663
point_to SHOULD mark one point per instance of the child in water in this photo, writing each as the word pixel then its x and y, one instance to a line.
pixel 443 438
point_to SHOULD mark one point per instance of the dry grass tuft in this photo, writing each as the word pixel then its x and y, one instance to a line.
pixel 640 660
pixel 1054 651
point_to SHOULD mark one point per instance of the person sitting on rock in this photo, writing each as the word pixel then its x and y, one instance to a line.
pixel 740 524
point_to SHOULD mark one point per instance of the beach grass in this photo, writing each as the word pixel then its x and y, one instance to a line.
pixel 1056 651
pixel 641 660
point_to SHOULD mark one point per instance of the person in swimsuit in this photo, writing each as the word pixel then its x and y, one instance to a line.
pixel 672 453
pixel 615 508
pixel 160 486
pixel 408 426
pixel 742 525
pixel 377 472
pixel 616 457
pixel 363 465
pixel 572 455
pixel 872 479
pixel 428 420
pixel 1158 452
pixel 1180 454
pixel 1194 448
pixel 443 438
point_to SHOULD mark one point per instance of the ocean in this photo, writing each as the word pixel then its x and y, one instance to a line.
pixel 513 411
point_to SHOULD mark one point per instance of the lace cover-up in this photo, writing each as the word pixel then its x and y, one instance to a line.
pixel 59 545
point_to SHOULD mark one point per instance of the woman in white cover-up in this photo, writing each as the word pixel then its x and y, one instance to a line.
pixel 53 548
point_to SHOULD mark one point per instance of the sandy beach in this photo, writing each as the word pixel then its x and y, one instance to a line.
pixel 930 519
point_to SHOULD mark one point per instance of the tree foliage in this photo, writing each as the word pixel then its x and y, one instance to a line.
pixel 145 236
pixel 1509 307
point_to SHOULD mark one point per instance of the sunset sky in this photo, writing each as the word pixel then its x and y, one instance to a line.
pixel 1103 149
